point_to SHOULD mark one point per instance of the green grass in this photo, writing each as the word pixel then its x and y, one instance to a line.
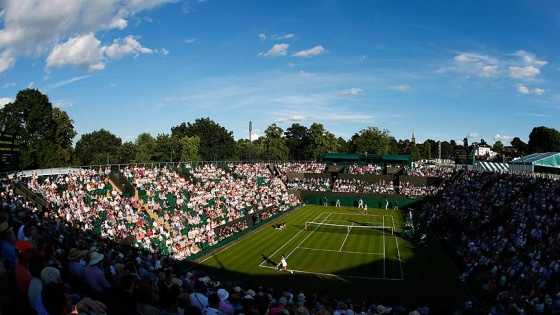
pixel 370 264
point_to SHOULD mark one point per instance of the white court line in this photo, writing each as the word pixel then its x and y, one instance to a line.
pixel 348 233
pixel 339 251
pixel 301 231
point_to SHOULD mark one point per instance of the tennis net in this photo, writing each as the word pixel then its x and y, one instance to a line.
pixel 361 229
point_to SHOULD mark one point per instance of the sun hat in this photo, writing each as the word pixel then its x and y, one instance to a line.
pixel 302 311
pixel 380 309
pixel 238 289
pixel 118 266
pixel 301 296
pixel 223 294
pixel 94 258
pixel 23 245
pixel 177 281
pixel 74 254
pixel 251 292
pixel 283 301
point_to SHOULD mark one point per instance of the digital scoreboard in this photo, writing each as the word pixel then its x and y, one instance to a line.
pixel 9 152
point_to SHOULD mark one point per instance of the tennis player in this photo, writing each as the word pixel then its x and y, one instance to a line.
pixel 284 264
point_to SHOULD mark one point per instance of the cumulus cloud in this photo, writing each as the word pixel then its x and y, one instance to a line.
pixel 37 28
pixel 312 52
pixel 262 36
pixel 87 52
pixel 352 91
pixel 294 118
pixel 5 100
pixel 523 72
pixel 475 64
pixel 505 139
pixel 276 50
pixel 305 73
pixel 525 90
pixel 473 135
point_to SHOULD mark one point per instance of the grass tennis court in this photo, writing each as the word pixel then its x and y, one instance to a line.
pixel 342 252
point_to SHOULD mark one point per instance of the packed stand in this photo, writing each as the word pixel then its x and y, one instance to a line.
pixel 309 184
pixel 504 228
pixel 410 189
pixel 365 169
pixel 361 186
pixel 429 171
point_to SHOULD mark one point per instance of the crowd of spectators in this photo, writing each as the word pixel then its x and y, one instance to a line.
pixel 301 167
pixel 410 189
pixel 365 169
pixel 362 186
pixel 504 229
pixel 309 184
pixel 429 171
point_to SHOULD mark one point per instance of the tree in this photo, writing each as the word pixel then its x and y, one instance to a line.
pixel 98 147
pixel 216 142
pixel 46 133
pixel 127 153
pixel 189 149
pixel 145 148
pixel 297 141
pixel 498 147
pixel 372 140
pixel 275 143
pixel 544 139
pixel 520 146
pixel 321 141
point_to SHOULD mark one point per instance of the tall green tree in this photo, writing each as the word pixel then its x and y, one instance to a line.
pixel 46 133
pixel 520 146
pixel 216 142
pixel 275 143
pixel 145 148
pixel 297 141
pixel 320 141
pixel 372 140
pixel 189 149
pixel 544 139
pixel 97 148
pixel 127 153
pixel 498 147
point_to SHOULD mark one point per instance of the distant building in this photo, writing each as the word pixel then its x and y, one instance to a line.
pixel 484 150
pixel 413 139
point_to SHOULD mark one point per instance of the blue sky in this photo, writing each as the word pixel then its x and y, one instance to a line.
pixel 447 69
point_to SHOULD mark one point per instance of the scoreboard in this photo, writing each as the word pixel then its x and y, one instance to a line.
pixel 9 152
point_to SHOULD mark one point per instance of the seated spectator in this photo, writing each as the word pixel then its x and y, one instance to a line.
pixel 57 302
pixel 94 274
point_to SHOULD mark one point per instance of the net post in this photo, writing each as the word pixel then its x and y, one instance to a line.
pixel 305 228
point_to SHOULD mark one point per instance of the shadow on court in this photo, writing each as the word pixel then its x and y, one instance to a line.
pixel 268 260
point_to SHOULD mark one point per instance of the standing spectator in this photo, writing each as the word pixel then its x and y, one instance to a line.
pixel 8 248
pixel 76 267
pixel 23 276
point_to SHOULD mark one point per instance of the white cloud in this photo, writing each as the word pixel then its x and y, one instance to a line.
pixel 523 89
pixel 82 52
pixel 305 74
pixel 312 52
pixel 294 118
pixel 262 36
pixel 31 84
pixel 473 135
pixel 190 40
pixel 289 36
pixel 352 91
pixel 503 138
pixel 86 52
pixel 9 85
pixel 35 28
pixel 530 58
pixel 475 64
pixel 277 50
pixel 5 100
pixel 401 88
pixel 65 82
pixel 526 72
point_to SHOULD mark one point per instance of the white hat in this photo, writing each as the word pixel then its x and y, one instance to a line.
pixel 95 258
pixel 380 309
pixel 223 294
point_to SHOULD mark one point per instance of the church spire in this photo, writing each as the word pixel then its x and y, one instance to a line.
pixel 413 139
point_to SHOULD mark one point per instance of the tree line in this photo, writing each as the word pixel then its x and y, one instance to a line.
pixel 47 134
